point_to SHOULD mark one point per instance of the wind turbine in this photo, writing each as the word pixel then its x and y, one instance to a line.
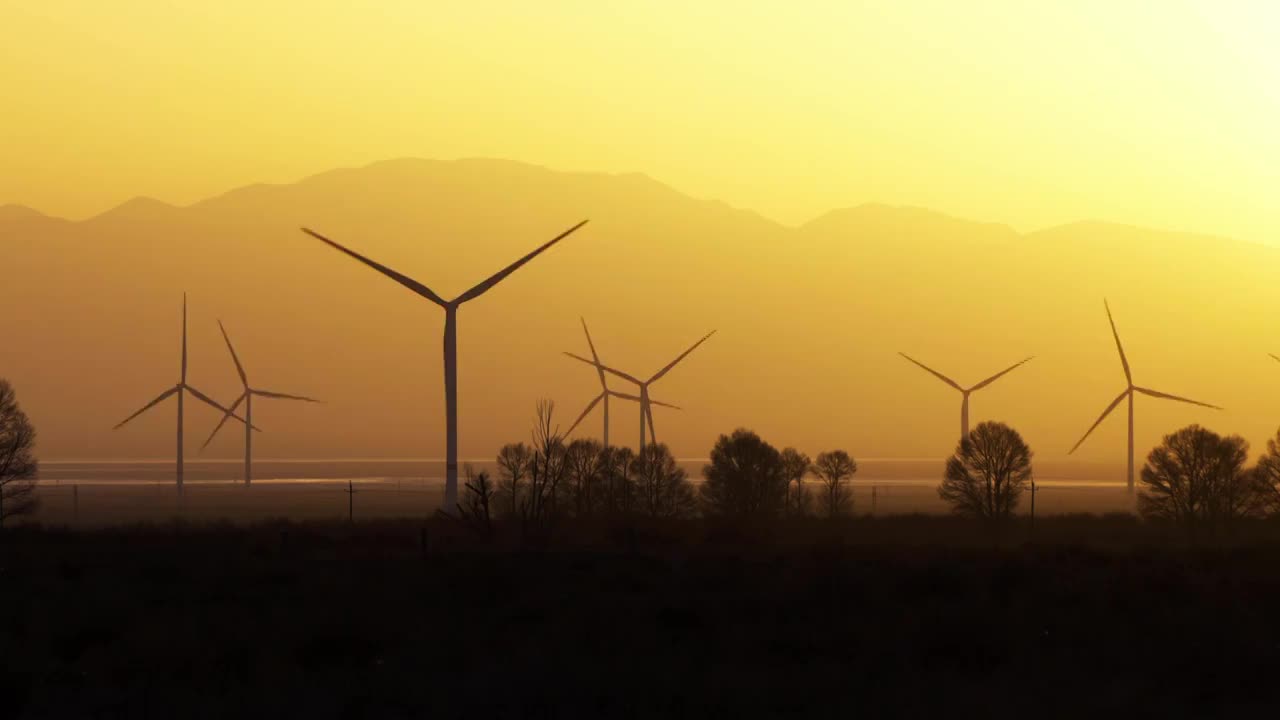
pixel 646 409
pixel 450 341
pixel 964 392
pixel 181 389
pixel 1129 393
pixel 605 392
pixel 246 397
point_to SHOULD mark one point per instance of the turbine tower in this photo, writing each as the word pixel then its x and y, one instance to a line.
pixel 646 409
pixel 450 342
pixel 964 392
pixel 1128 392
pixel 181 389
pixel 605 392
pixel 246 397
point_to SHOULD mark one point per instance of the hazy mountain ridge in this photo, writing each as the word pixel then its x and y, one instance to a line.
pixel 810 318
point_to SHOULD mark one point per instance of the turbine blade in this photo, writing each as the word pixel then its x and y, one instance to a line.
pixel 244 379
pixel 404 280
pixel 210 401
pixel 682 356
pixel 1101 417
pixel 998 375
pixel 933 372
pixel 497 277
pixel 225 417
pixel 590 406
pixel 636 398
pixel 1273 357
pixel 159 399
pixel 594 356
pixel 606 368
pixel 1128 376
pixel 283 396
pixel 1167 396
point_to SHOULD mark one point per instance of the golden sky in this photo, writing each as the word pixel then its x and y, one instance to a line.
pixel 1031 113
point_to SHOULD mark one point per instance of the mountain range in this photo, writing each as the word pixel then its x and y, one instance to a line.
pixel 810 318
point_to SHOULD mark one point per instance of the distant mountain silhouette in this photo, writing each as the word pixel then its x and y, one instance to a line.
pixel 810 318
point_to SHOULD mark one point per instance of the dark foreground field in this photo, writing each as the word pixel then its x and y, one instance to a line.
pixel 886 617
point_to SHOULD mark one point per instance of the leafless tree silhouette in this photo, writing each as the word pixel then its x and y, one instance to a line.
pixel 988 472
pixel 662 486
pixel 618 491
pixel 583 457
pixel 1266 479
pixel 835 468
pixel 795 467
pixel 547 472
pixel 1197 479
pixel 476 507
pixel 514 461
pixel 19 469
pixel 744 479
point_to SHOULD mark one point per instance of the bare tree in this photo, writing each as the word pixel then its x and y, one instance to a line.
pixel 1266 480
pixel 547 471
pixel 795 467
pixel 835 468
pixel 745 477
pixel 514 460
pixel 662 485
pixel 19 469
pixel 477 501
pixel 583 457
pixel 617 487
pixel 988 472
pixel 1197 479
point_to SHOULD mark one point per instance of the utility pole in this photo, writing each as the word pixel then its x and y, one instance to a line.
pixel 1034 489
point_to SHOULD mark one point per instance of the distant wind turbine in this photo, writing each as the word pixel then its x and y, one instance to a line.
pixel 1129 393
pixel 646 409
pixel 181 389
pixel 605 392
pixel 246 397
pixel 964 392
pixel 450 342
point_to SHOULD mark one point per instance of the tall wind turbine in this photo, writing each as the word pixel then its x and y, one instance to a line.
pixel 246 397
pixel 181 389
pixel 964 392
pixel 605 392
pixel 450 342
pixel 1128 392
pixel 646 409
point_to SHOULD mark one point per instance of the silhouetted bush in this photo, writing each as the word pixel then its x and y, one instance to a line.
pixel 795 467
pixel 19 469
pixel 1197 479
pixel 662 487
pixel 987 474
pixel 835 468
pixel 745 478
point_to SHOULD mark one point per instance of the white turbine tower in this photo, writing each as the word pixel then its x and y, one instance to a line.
pixel 246 397
pixel 964 392
pixel 181 389
pixel 646 409
pixel 450 342
pixel 1128 392
pixel 605 392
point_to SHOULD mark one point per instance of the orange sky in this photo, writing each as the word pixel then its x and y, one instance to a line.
pixel 1029 113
